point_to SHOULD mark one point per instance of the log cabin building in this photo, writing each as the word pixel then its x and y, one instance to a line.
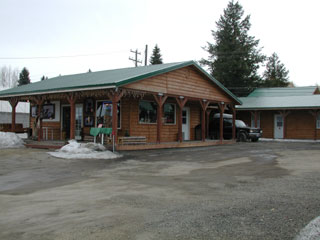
pixel 283 113
pixel 157 106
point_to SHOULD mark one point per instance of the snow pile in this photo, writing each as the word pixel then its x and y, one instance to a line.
pixel 311 231
pixel 83 150
pixel 10 140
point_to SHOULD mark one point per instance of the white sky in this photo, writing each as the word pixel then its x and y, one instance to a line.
pixel 37 28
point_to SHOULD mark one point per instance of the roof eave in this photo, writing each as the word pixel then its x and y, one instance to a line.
pixel 53 91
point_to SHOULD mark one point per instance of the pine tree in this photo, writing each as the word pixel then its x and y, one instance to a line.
pixel 156 57
pixel 275 75
pixel 234 58
pixel 24 77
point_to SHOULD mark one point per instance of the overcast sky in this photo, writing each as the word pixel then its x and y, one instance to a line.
pixel 109 29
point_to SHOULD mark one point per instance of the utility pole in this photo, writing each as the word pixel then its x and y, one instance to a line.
pixel 136 57
pixel 146 56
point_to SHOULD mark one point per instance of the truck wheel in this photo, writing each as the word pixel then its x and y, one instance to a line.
pixel 242 137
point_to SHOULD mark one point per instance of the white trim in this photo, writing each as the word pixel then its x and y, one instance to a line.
pixel 78 105
pixel 61 91
pixel 187 128
pixel 56 112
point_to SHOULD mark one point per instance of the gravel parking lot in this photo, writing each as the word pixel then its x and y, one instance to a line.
pixel 264 190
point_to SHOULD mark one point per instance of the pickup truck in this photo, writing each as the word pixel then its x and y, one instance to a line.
pixel 243 132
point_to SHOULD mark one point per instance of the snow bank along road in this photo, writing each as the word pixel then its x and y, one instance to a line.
pixel 263 190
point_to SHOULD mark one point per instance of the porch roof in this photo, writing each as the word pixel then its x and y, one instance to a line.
pixel 284 91
pixel 289 102
pixel 103 80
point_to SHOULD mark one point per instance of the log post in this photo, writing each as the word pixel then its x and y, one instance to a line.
pixel 221 110
pixel 233 108
pixel 13 103
pixel 115 97
pixel 72 101
pixel 39 101
pixel 181 103
pixel 160 99
pixel 204 105
pixel 314 113
pixel 208 112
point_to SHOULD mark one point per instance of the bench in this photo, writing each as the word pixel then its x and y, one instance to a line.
pixel 132 140
pixel 6 127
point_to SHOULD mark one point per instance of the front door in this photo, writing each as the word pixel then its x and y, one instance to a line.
pixel 278 126
pixel 66 121
pixel 186 123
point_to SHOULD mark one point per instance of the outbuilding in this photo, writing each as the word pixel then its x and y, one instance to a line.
pixel 283 113
pixel 157 106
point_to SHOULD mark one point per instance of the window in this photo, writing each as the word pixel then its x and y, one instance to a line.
pixel 318 120
pixel 104 114
pixel 147 112
pixel 258 120
pixel 169 113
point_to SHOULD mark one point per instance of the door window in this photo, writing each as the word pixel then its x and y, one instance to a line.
pixel 279 121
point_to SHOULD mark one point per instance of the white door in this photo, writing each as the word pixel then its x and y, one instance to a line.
pixel 278 126
pixel 186 123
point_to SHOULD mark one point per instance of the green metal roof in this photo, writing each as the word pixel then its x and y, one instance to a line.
pixel 289 102
pixel 283 91
pixel 103 79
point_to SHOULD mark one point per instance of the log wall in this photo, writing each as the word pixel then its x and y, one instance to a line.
pixel 186 82
pixel 299 124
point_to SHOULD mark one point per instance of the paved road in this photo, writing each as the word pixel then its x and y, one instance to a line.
pixel 261 190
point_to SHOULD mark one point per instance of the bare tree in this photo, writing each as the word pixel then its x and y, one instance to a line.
pixel 9 77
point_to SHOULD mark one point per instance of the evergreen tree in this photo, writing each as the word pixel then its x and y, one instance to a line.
pixel 24 77
pixel 234 58
pixel 156 57
pixel 275 75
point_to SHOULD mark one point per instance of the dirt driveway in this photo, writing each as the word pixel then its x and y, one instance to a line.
pixel 261 190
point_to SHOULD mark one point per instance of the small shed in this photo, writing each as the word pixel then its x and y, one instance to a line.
pixel 283 113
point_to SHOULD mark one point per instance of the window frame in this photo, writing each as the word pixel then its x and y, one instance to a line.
pixel 318 121
pixel 140 122
pixel 120 112
pixel 175 114
pixel 258 120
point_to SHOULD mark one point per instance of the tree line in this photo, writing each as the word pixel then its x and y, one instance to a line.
pixel 235 57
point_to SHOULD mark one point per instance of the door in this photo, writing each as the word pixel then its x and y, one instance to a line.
pixel 278 126
pixel 186 123
pixel 79 121
pixel 66 122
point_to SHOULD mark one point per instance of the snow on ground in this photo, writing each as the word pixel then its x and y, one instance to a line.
pixel 10 140
pixel 75 150
pixel 311 231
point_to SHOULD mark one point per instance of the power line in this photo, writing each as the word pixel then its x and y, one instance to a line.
pixel 65 56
